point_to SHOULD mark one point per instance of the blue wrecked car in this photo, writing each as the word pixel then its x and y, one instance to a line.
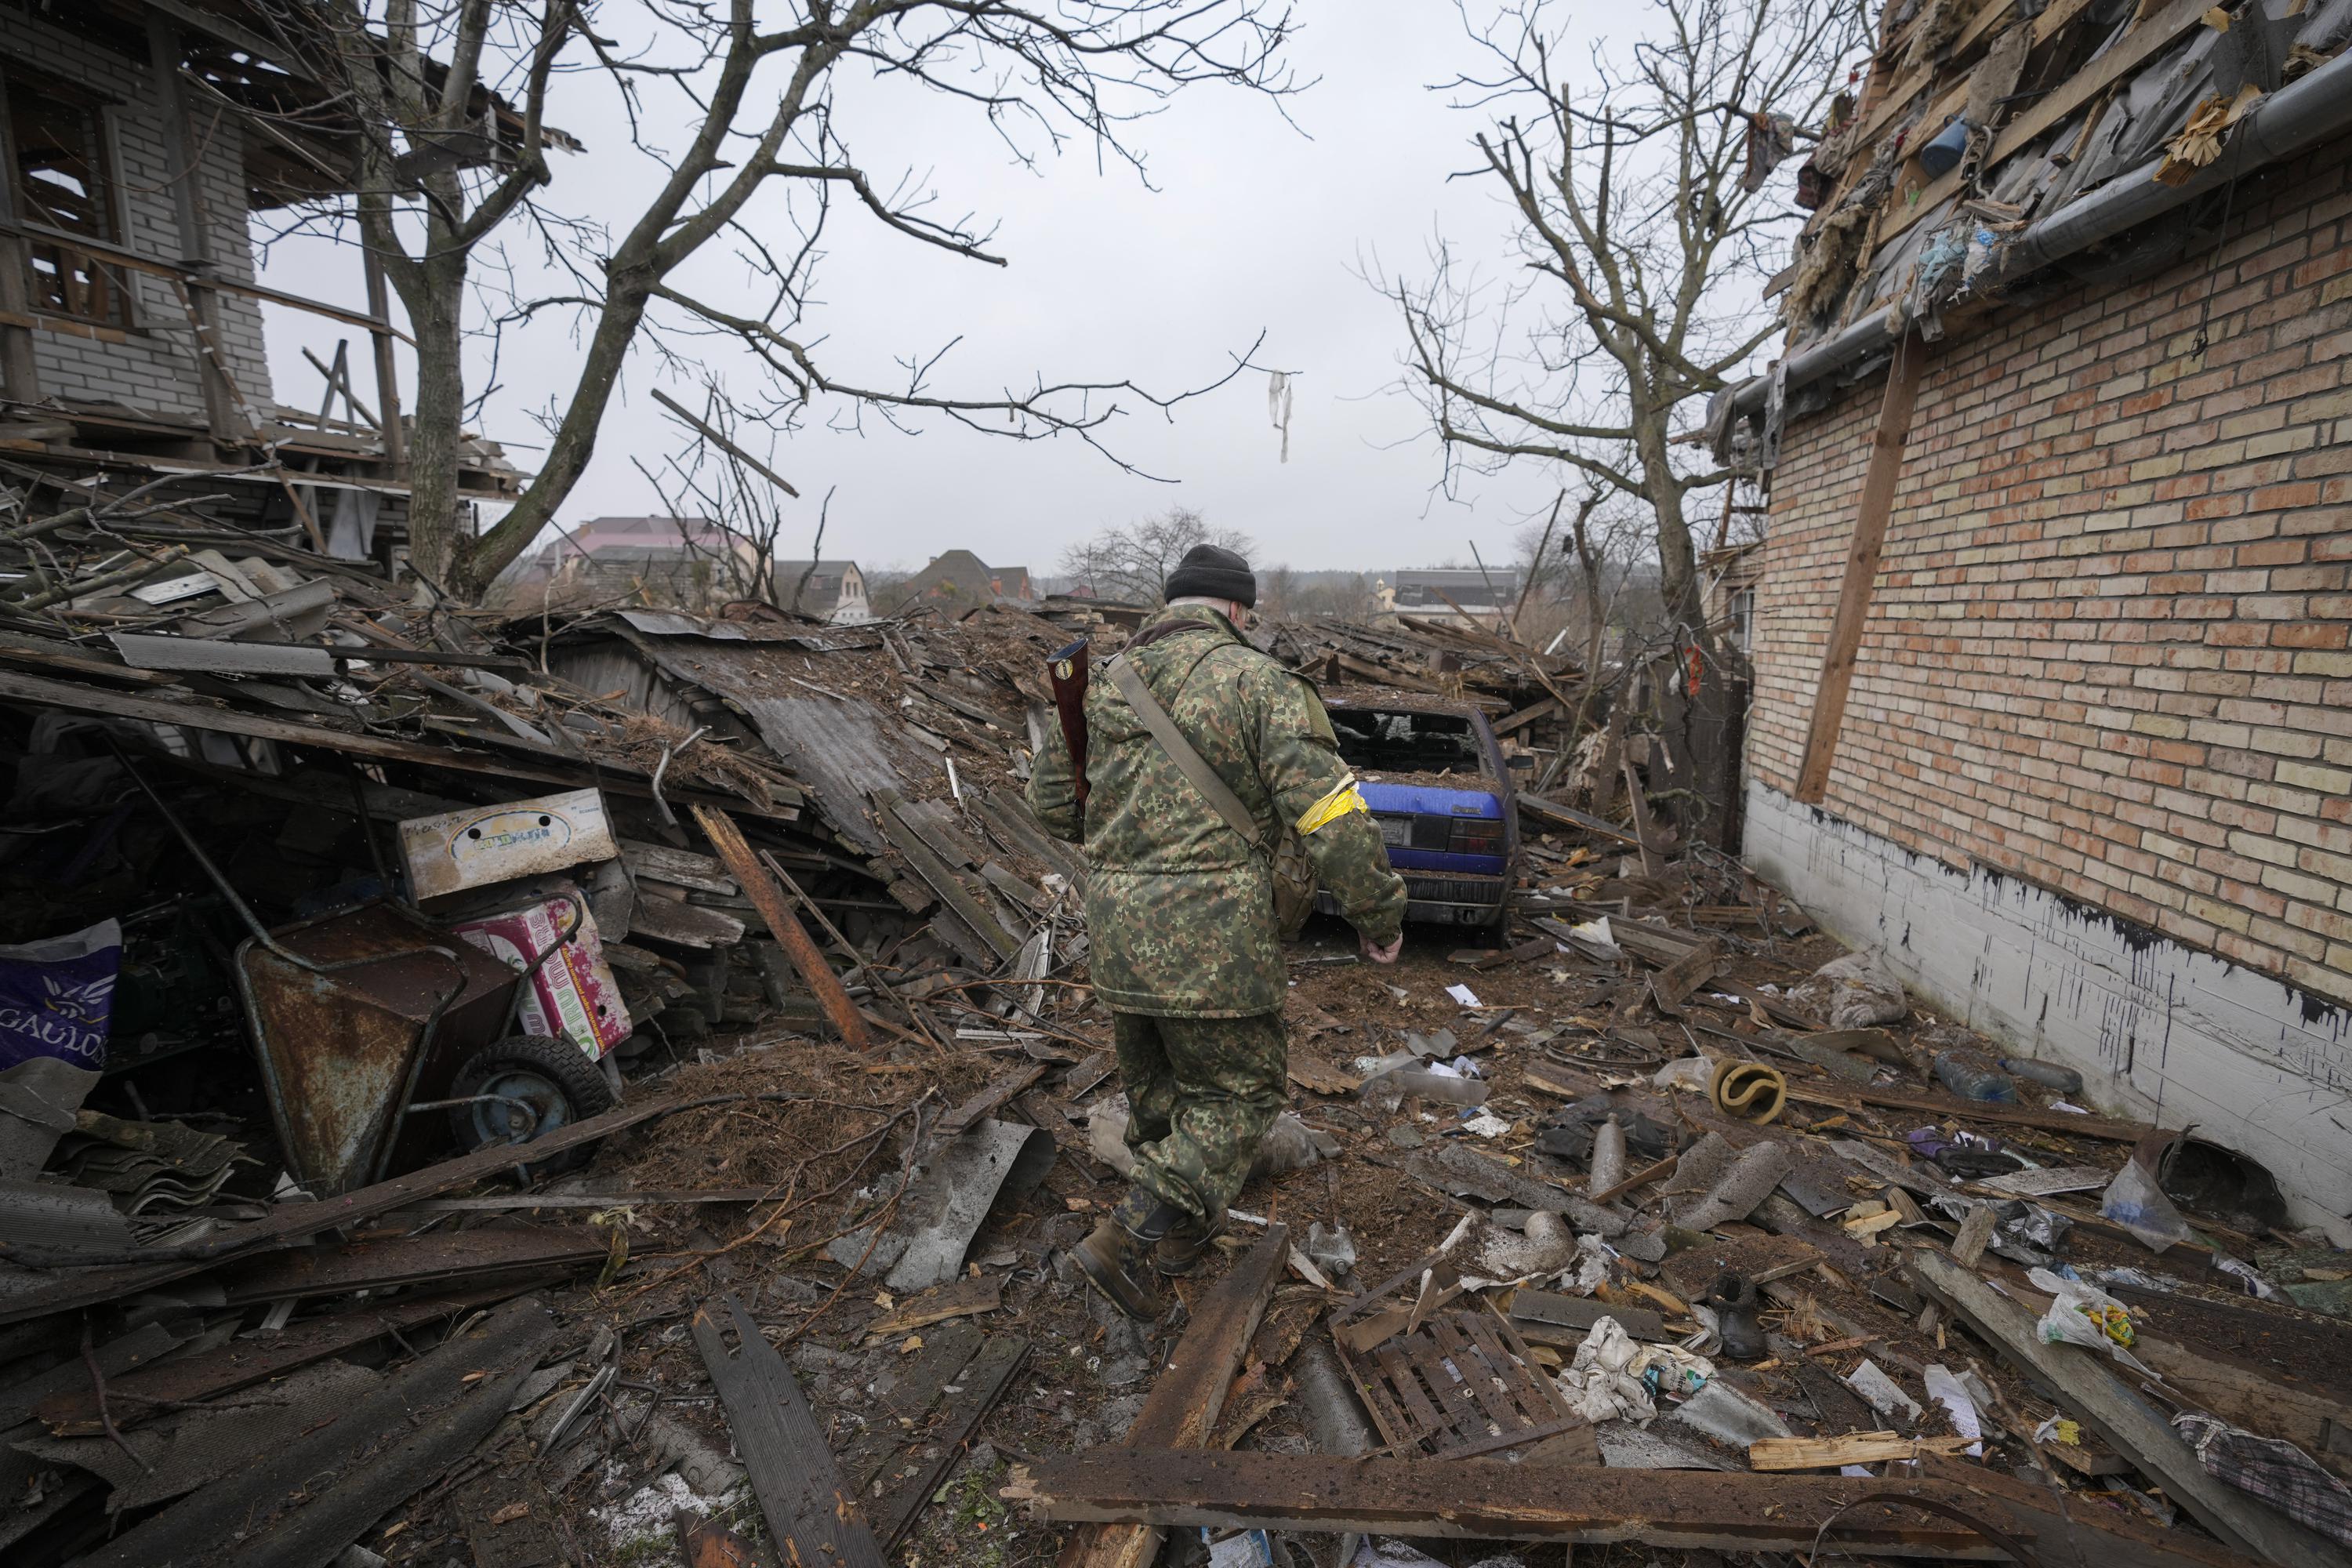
pixel 1439 787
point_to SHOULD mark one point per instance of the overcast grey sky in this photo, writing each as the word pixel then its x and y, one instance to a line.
pixel 1253 224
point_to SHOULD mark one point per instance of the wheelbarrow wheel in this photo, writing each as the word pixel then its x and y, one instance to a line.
pixel 554 1079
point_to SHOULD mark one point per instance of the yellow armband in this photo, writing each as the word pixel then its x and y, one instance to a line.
pixel 1332 806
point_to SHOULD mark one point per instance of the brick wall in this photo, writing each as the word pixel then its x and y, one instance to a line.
pixel 2108 646
pixel 155 371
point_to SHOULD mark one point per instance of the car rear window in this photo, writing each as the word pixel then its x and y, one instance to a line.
pixel 1408 746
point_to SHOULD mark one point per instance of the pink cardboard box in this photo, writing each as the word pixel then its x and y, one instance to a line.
pixel 572 996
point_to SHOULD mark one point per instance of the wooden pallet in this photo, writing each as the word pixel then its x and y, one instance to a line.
pixel 1462 1384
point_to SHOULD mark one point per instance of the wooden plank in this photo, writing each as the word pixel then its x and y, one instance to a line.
pixel 132 1397
pixel 1547 1309
pixel 768 896
pixel 1543 710
pixel 303 1501
pixel 956 1299
pixel 1551 814
pixel 1862 552
pixel 812 1516
pixel 1015 826
pixel 980 1385
pixel 928 820
pixel 1496 1499
pixel 682 867
pixel 1976 1234
pixel 2143 42
pixel 1638 803
pixel 1014 888
pixel 917 852
pixel 684 924
pixel 1181 1409
pixel 290 1222
pixel 2124 1420
pixel 1773 1454
pixel 414 1259
pixel 1672 986
pixel 991 1096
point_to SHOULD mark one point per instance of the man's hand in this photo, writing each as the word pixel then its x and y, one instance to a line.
pixel 1384 952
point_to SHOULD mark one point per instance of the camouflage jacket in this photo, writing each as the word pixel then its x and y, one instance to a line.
pixel 1179 908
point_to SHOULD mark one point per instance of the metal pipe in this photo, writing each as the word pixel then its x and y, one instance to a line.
pixel 2294 118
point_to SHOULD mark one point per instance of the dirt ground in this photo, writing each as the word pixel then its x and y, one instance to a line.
pixel 826 1131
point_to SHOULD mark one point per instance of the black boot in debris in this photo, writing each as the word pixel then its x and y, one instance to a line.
pixel 1114 1256
pixel 1187 1241
pixel 1733 1297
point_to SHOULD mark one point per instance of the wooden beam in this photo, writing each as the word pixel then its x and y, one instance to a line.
pixel 18 374
pixel 116 256
pixel 813 1515
pixel 1496 1500
pixel 1860 566
pixel 222 417
pixel 2124 1420
pixel 1183 1407
pixel 760 885
pixel 387 370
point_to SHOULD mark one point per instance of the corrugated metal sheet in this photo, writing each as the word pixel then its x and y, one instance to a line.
pixel 841 750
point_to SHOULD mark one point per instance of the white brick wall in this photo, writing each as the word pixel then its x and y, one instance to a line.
pixel 156 372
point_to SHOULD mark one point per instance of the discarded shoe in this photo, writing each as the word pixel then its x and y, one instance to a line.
pixel 1733 1297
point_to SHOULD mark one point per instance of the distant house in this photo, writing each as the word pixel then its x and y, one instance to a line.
pixel 1477 598
pixel 835 590
pixel 686 561
pixel 958 580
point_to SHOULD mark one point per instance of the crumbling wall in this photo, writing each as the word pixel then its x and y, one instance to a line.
pixel 152 367
pixel 2107 650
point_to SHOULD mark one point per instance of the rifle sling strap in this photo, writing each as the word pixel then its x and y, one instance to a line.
pixel 1189 762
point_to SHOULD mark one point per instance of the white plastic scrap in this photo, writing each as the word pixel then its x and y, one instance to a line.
pixel 1946 1390
pixel 1464 995
pixel 1882 1393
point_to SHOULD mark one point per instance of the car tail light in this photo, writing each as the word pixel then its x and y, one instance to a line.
pixel 1476 835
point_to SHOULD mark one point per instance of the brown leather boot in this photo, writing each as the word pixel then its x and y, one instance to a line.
pixel 1114 1256
pixel 1180 1250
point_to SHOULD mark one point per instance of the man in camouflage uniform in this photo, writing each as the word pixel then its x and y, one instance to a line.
pixel 1184 946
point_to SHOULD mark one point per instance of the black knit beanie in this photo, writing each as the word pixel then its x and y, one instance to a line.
pixel 1209 572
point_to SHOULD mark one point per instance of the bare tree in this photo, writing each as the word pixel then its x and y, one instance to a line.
pixel 1131 562
pixel 441 167
pixel 1643 218
pixel 728 503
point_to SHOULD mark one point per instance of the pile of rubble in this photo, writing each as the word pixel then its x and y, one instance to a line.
pixel 621 1086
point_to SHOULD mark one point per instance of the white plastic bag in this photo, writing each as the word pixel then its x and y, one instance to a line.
pixel 2077 1313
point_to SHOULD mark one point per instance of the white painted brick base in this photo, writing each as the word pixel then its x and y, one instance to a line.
pixel 2158 1031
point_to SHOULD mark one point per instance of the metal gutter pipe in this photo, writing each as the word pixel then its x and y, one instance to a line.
pixel 2296 117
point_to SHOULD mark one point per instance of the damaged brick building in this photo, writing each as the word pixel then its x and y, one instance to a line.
pixel 2052 700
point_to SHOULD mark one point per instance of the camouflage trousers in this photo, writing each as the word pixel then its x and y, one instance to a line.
pixel 1200 1092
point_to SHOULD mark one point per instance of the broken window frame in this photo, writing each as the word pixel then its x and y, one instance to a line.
pixel 1740 617
pixel 61 279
